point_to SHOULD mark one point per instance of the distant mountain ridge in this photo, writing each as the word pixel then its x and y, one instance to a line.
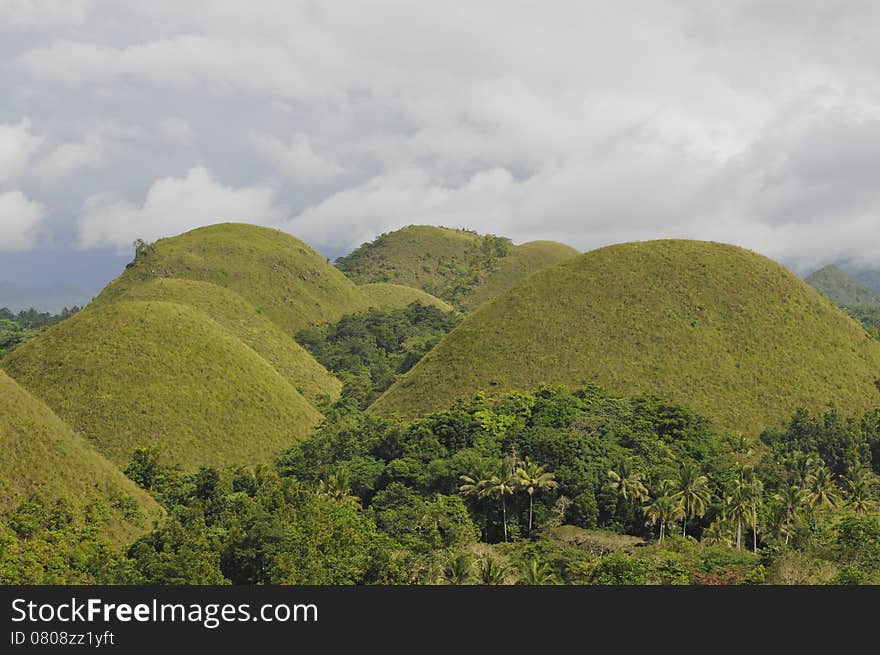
pixel 841 288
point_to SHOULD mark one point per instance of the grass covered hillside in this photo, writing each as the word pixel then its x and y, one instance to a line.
pixel 40 455
pixel 231 311
pixel 279 275
pixel 136 374
pixel 520 261
pixel 841 288
pixel 731 333
pixel 385 295
pixel 454 265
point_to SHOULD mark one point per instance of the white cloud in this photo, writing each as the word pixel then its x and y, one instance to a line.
pixel 69 158
pixel 588 122
pixel 175 131
pixel 296 160
pixel 41 15
pixel 184 62
pixel 17 146
pixel 20 220
pixel 172 205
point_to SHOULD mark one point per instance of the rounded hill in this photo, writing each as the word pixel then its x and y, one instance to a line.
pixel 239 317
pixel 461 267
pixel 729 332
pixel 282 277
pixel 135 374
pixel 385 295
pixel 520 262
pixel 40 455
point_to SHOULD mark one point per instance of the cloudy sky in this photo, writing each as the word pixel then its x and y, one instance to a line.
pixel 588 122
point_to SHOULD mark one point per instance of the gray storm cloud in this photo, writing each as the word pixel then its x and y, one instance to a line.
pixel 756 123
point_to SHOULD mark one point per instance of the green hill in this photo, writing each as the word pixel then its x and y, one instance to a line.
pixel 521 261
pixel 866 277
pixel 455 265
pixel 279 275
pixel 385 295
pixel 719 328
pixel 132 374
pixel 841 288
pixel 231 311
pixel 40 455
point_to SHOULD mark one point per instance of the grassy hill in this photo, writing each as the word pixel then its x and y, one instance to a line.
pixel 283 278
pixel 40 455
pixel 841 288
pixel 385 295
pixel 722 329
pixel 131 374
pixel 454 265
pixel 231 311
pixel 521 261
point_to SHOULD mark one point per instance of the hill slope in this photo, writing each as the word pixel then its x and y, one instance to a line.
pixel 132 374
pixel 454 265
pixel 279 275
pixel 39 454
pixel 385 295
pixel 841 288
pixel 724 330
pixel 231 311
pixel 521 261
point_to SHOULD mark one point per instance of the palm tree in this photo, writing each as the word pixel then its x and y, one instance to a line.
pixel 664 508
pixel 531 477
pixel 458 568
pixel 860 490
pixel 502 484
pixel 742 501
pixel 338 487
pixel 627 483
pixel 475 482
pixel 537 573
pixel 738 507
pixel 822 493
pixel 776 521
pixel 693 493
pixel 718 533
pixel 800 467
pixel 491 572
pixel 755 491
pixel 791 497
pixel 474 486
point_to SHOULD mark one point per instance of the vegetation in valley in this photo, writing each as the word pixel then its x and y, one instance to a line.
pixel 462 267
pixel 370 350
pixel 18 328
pixel 133 374
pixel 869 317
pixel 557 485
pixel 729 332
